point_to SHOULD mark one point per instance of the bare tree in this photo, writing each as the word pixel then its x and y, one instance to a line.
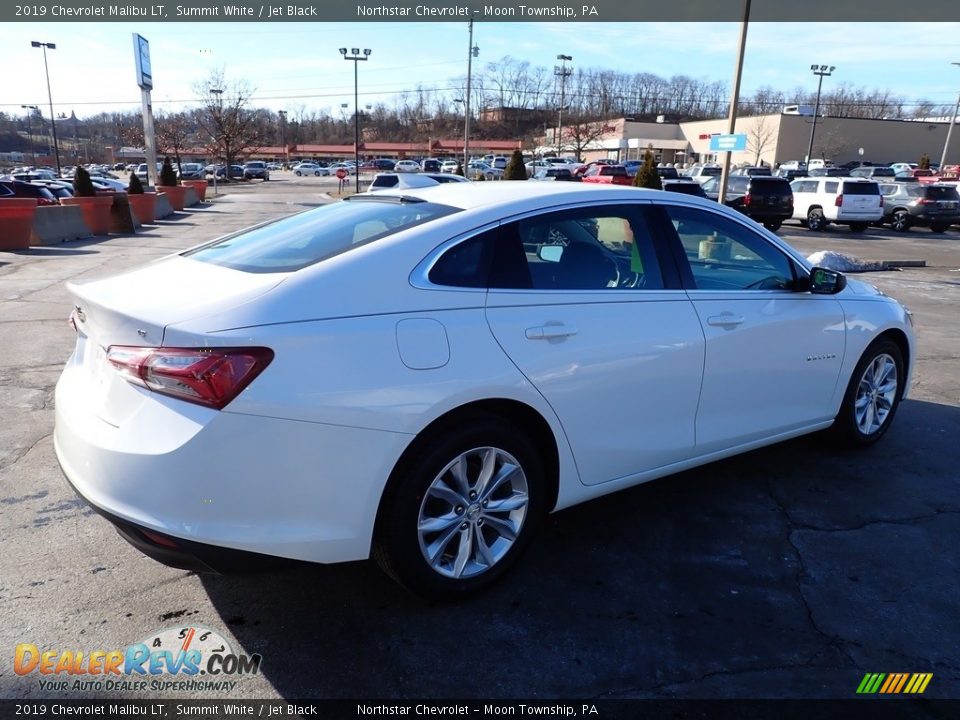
pixel 174 131
pixel 759 137
pixel 580 133
pixel 225 116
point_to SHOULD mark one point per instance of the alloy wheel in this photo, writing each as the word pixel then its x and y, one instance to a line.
pixel 876 394
pixel 472 513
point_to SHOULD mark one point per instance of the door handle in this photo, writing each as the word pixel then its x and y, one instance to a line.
pixel 549 332
pixel 727 320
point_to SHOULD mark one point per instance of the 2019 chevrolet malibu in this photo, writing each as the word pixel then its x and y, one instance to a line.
pixel 422 375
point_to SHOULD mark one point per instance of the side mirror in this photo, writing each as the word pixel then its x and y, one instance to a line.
pixel 826 282
pixel 550 253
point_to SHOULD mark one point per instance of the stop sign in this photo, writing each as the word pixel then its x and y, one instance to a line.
pixel 341 173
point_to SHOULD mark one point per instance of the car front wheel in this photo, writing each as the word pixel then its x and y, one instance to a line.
pixel 459 514
pixel 298 173
pixel 872 396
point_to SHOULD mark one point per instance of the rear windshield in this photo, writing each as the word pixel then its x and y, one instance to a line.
pixel 302 240
pixel 770 186
pixel 861 188
pixel 612 170
pixel 942 193
pixel 883 172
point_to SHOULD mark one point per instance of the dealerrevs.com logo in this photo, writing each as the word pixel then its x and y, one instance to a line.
pixel 187 659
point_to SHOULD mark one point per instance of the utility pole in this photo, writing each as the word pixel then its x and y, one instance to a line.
pixel 822 71
pixel 563 72
pixel 953 121
pixel 734 100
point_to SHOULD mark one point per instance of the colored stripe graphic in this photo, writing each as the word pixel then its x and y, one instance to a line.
pixel 894 683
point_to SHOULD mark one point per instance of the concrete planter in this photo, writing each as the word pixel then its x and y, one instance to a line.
pixel 96 211
pixel 199 185
pixel 16 222
pixel 176 193
pixel 144 207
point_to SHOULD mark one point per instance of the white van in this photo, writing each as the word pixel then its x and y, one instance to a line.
pixel 819 201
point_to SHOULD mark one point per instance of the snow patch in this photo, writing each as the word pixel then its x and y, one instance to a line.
pixel 844 263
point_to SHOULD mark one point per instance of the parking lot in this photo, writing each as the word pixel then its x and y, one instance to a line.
pixel 787 572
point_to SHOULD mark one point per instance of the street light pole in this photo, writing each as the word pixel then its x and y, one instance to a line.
pixel 283 135
pixel 953 121
pixel 53 122
pixel 33 151
pixel 216 143
pixel 562 72
pixel 822 71
pixel 472 52
pixel 356 57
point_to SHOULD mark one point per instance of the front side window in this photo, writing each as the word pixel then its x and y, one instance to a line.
pixel 725 255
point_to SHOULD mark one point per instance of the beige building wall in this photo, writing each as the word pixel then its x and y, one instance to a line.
pixel 763 136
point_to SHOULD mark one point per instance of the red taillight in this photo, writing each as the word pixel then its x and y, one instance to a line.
pixel 747 200
pixel 206 376
pixel 925 201
pixel 839 201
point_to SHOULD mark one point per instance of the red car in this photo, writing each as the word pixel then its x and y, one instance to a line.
pixel 608 174
pixel 26 190
pixel 582 170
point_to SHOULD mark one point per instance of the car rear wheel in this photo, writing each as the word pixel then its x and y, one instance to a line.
pixel 872 396
pixel 859 227
pixel 815 219
pixel 939 227
pixel 317 173
pixel 459 514
pixel 900 221
pixel 298 173
pixel 772 226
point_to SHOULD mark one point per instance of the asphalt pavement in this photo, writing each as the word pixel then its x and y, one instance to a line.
pixel 788 572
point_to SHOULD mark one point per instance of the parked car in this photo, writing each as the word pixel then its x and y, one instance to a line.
pixel 876 172
pixel 903 167
pixel 22 189
pixel 236 172
pixel 684 186
pixel 450 417
pixel 556 173
pixel 789 174
pixel 856 202
pixel 430 165
pixel 580 170
pixel 409 166
pixel 667 173
pixel 391 180
pixel 449 166
pixel 58 188
pixel 310 168
pixel 702 173
pixel 382 164
pixel 905 205
pixel 752 170
pixel 142 170
pixel 607 175
pixel 477 167
pixel 256 169
pixel 192 171
pixel 827 172
pixel 767 200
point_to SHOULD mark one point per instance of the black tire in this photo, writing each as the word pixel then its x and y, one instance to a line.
pixel 298 173
pixel 397 538
pixel 859 227
pixel 900 221
pixel 845 430
pixel 773 226
pixel 815 220
pixel 317 173
pixel 939 227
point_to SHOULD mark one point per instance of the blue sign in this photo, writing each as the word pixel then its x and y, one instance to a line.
pixel 728 143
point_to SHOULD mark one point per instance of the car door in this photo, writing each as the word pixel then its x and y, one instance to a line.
pixel 580 303
pixel 773 354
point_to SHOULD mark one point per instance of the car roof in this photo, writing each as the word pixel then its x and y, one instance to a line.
pixel 475 195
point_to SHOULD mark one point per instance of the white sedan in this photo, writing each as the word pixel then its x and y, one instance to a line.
pixel 309 168
pixel 408 166
pixel 423 375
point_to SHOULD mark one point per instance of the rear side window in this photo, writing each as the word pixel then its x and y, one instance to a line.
pixel 830 187
pixel 385 181
pixel 860 188
pixel 302 240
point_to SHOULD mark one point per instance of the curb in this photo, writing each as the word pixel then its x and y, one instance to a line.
pixel 903 263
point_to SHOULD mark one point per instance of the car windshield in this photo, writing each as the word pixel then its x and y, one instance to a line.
pixel 310 237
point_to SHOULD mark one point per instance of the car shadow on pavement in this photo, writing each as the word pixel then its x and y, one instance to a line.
pixel 784 572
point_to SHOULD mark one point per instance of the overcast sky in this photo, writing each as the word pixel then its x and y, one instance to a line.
pixel 294 65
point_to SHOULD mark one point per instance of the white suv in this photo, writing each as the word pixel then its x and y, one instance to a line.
pixel 817 202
